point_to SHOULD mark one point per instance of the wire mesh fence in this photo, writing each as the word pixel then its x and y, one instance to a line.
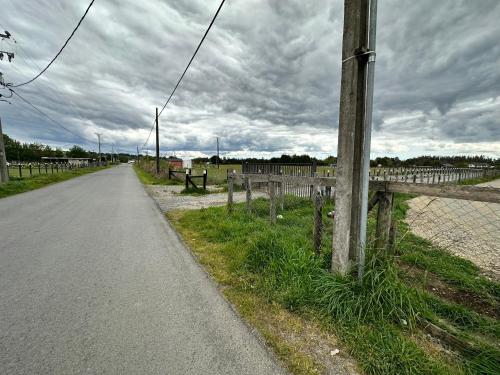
pixel 465 228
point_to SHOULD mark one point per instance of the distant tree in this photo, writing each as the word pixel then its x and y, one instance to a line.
pixel 77 152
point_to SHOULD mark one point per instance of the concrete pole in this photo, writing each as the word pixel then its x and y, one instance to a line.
pixel 354 135
pixel 4 173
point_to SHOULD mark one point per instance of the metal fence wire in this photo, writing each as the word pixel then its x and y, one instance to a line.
pixel 465 228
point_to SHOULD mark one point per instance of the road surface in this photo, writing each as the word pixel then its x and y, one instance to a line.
pixel 94 281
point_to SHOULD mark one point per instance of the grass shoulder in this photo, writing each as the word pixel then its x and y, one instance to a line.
pixel 271 272
pixel 18 185
pixel 148 178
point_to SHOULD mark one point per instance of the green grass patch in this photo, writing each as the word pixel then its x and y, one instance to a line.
pixel 375 319
pixel 18 185
pixel 148 178
pixel 479 180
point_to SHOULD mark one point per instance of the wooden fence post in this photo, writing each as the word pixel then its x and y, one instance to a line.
pixel 230 188
pixel 282 194
pixel 248 187
pixel 384 217
pixel 318 222
pixel 272 201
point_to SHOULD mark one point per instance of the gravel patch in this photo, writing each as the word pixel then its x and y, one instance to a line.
pixel 169 198
pixel 468 229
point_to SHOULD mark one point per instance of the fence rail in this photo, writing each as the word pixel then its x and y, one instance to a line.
pixel 449 203
pixel 35 169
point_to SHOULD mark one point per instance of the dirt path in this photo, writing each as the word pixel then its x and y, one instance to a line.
pixel 169 198
pixel 465 228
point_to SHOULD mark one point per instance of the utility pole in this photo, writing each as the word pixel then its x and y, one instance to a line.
pixel 356 96
pixel 217 152
pixel 112 154
pixel 4 173
pixel 157 145
pixel 137 154
pixel 99 140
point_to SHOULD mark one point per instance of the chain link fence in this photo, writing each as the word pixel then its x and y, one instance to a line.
pixel 465 228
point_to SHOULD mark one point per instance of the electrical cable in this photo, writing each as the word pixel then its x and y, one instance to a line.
pixel 187 67
pixel 62 48
pixel 50 118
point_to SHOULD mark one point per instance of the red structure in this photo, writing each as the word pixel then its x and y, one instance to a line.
pixel 175 163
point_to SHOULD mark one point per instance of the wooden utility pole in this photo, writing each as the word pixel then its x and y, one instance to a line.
pixel 217 152
pixel 4 173
pixel 354 137
pixel 99 141
pixel 157 145
pixel 137 155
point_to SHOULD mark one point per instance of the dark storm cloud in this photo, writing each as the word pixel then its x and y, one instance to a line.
pixel 266 80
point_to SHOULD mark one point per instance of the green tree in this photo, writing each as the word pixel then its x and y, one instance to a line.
pixel 77 152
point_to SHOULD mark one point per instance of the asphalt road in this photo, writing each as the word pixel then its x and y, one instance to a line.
pixel 94 281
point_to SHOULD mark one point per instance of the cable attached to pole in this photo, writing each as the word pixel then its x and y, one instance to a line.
pixel 62 48
pixel 185 70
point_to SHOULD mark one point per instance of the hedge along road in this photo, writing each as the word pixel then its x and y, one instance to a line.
pixel 94 281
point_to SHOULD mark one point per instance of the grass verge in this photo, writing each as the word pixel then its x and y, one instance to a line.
pixel 150 179
pixel 267 271
pixel 18 185
pixel 480 180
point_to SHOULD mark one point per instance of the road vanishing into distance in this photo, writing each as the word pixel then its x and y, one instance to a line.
pixel 93 280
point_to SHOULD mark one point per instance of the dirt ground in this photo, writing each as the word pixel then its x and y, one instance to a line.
pixel 169 197
pixel 468 229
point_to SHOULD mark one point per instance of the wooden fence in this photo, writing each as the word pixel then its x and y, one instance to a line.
pixel 383 196
pixel 188 177
pixel 285 169
pixel 34 169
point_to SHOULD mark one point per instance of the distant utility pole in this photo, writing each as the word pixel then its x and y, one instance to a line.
pixel 112 154
pixel 137 154
pixel 217 152
pixel 354 138
pixel 99 140
pixel 4 173
pixel 157 145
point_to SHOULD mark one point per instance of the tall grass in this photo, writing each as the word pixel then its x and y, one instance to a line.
pixel 376 318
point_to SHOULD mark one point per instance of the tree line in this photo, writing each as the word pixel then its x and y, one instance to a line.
pixel 33 152
pixel 459 161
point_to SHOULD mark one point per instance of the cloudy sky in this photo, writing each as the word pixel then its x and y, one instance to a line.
pixel 267 79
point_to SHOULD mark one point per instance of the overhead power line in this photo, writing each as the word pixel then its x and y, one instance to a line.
pixel 62 48
pixel 49 117
pixel 185 70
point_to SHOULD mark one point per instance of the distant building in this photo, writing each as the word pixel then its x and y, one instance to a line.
pixel 64 160
pixel 175 163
